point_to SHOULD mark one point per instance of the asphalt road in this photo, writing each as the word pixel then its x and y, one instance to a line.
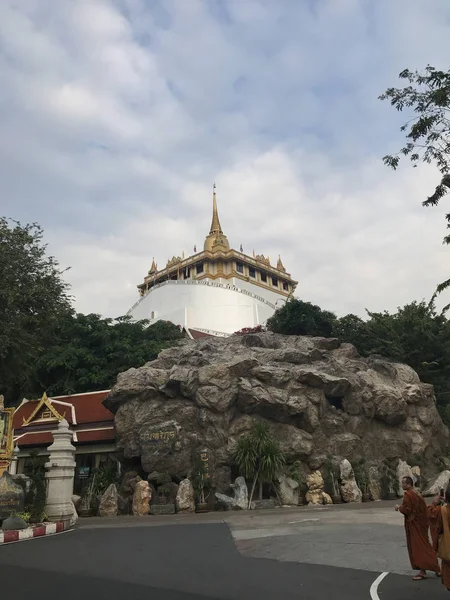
pixel 179 562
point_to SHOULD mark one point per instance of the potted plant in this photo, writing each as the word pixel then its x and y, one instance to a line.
pixel 332 480
pixel 296 473
pixel 362 478
pixel 259 457
pixel 202 486
pixel 389 482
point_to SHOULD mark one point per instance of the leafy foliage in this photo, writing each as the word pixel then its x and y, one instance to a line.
pixel 259 456
pixel 88 352
pixel 331 476
pixel 200 481
pixel 33 300
pixel 245 330
pixel 427 96
pixel 415 334
pixel 297 317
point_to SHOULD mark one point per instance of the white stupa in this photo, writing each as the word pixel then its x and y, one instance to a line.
pixel 217 291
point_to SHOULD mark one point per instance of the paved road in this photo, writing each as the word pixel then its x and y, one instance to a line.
pixel 179 562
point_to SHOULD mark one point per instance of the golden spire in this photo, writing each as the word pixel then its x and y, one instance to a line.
pixel 216 240
pixel 153 267
pixel 280 265
pixel 215 223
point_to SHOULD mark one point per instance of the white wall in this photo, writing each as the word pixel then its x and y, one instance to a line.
pixel 199 306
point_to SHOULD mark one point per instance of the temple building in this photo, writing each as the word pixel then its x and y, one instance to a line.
pixel 216 291
pixel 91 423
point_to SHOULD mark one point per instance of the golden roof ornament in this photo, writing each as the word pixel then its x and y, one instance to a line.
pixel 153 268
pixel 216 240
pixel 280 265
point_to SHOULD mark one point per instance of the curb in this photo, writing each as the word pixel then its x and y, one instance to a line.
pixel 33 532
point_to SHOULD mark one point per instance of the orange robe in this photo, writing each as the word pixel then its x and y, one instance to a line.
pixel 421 553
pixel 445 565
pixel 433 518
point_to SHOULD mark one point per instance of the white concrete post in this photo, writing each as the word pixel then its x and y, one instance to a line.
pixel 14 461
pixel 60 475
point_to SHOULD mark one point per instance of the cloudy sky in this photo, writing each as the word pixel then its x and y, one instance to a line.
pixel 116 116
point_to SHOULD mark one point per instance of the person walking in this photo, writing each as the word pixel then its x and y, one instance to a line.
pixel 421 552
pixel 442 541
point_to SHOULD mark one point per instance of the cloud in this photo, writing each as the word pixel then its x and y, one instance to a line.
pixel 117 116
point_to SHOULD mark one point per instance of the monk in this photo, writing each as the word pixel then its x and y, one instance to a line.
pixel 434 510
pixel 440 530
pixel 414 509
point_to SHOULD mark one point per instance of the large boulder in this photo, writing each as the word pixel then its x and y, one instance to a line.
pixel 318 396
pixel 185 499
pixel 141 499
pixel 316 493
pixel 109 502
pixel 350 491
pixel 239 501
pixel 288 491
pixel 440 482
pixel 14 523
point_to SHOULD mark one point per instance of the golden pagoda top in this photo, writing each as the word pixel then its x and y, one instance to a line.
pixel 216 240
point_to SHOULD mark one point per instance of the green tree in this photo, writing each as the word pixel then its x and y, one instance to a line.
pixel 33 299
pixel 296 317
pixel 259 457
pixel 427 99
pixel 89 351
pixel 415 334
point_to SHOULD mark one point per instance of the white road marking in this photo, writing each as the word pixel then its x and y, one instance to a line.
pixel 302 521
pixel 374 587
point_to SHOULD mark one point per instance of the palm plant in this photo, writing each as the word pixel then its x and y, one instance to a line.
pixel 259 457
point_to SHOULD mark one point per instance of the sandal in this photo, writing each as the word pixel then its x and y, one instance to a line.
pixel 419 577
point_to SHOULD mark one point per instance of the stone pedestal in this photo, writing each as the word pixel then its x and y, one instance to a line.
pixel 60 475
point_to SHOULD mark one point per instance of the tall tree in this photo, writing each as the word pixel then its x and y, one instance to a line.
pixel 296 317
pixel 89 351
pixel 33 299
pixel 427 99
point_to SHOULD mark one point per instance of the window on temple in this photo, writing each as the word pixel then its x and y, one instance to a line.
pixel 252 272
pixel 239 267
pixel 264 277
pixel 199 268
pixel 274 281
pixel 285 286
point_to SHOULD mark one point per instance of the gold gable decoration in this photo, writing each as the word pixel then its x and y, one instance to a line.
pixel 173 261
pixel 44 403
pixel 6 435
pixel 262 259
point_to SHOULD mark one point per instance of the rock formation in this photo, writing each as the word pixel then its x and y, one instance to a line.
pixel 185 500
pixel 315 493
pixel 141 499
pixel 350 491
pixel 288 491
pixel 240 498
pixel 109 502
pixel 318 396
pixel 442 481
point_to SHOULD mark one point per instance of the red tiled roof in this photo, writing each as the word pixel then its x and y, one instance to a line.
pixel 197 335
pixel 35 439
pixel 101 435
pixel 88 408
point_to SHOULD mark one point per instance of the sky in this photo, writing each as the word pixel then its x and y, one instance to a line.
pixel 116 117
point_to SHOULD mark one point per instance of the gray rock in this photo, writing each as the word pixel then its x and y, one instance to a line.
pixel 350 491
pixel 14 523
pixel 374 483
pixel 76 501
pixel 288 491
pixel 317 396
pixel 109 502
pixel 240 497
pixel 441 481
pixel 185 499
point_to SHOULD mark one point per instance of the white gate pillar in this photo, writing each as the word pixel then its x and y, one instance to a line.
pixel 60 473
